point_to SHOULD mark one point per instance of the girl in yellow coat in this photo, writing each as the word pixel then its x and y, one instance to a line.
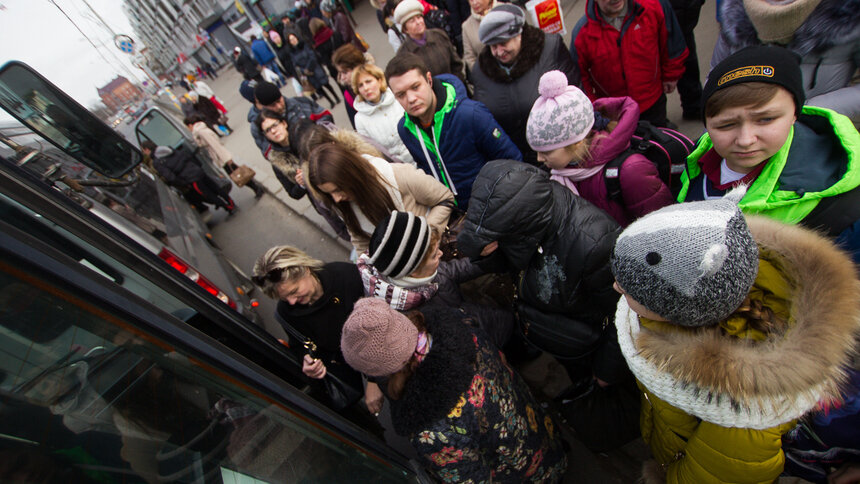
pixel 734 327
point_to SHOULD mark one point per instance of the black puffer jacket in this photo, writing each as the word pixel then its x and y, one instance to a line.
pixel 510 96
pixel 558 242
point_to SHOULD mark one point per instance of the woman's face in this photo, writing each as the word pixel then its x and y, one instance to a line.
pixel 747 136
pixel 415 27
pixel 344 75
pixel 294 41
pixel 275 131
pixel 369 88
pixel 302 290
pixel 556 159
pixel 336 193
pixel 480 7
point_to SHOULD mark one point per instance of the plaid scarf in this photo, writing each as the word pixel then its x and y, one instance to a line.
pixel 399 298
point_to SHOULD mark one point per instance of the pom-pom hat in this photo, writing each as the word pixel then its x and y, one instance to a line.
pixel 561 116
pixel 377 340
pixel 691 263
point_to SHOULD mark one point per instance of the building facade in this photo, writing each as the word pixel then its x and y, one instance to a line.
pixel 118 93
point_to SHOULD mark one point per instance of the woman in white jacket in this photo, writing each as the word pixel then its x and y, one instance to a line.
pixel 377 112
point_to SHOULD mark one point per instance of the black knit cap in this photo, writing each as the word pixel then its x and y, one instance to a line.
pixel 398 244
pixel 760 63
pixel 267 93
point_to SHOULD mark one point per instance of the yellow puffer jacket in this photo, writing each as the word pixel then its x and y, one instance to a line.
pixel 716 401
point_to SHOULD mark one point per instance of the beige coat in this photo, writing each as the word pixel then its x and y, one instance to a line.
pixel 208 140
pixel 413 191
pixel 472 46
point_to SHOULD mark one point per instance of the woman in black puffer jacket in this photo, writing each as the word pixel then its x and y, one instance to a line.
pixel 557 247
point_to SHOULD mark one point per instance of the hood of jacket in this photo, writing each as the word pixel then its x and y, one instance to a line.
pixel 833 22
pixel 625 111
pixel 734 382
pixel 533 40
pixel 384 103
pixel 512 203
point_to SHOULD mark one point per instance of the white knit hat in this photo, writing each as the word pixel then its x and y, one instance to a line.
pixel 406 10
pixel 561 116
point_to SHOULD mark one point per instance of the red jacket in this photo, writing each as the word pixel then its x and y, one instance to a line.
pixel 635 61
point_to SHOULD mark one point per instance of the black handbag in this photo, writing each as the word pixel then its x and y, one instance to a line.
pixel 557 334
pixel 339 381
pixel 341 395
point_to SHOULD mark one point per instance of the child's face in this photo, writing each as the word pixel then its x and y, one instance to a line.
pixel 636 307
pixel 747 136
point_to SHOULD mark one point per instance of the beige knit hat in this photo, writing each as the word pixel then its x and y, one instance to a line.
pixel 377 340
pixel 406 10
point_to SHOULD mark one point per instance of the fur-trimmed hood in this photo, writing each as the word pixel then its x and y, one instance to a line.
pixel 735 383
pixel 532 47
pixel 833 22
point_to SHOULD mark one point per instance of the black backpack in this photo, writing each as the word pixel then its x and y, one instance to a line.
pixel 665 147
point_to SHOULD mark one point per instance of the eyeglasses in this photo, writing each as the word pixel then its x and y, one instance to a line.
pixel 271 129
pixel 273 276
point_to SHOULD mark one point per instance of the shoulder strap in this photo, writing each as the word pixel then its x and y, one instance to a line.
pixel 611 172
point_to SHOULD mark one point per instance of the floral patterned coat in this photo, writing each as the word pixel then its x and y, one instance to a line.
pixel 470 416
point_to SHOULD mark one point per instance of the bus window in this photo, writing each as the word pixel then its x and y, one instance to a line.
pixel 89 394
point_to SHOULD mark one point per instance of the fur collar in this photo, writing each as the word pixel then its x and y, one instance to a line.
pixel 441 378
pixel 832 23
pixel 532 47
pixel 732 383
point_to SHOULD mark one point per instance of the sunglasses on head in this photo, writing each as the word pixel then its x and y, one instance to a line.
pixel 273 276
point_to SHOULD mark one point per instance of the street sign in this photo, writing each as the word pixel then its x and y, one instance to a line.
pixel 124 43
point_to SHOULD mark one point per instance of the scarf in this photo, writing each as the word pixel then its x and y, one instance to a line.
pixel 777 20
pixel 422 347
pixel 569 176
pixel 399 298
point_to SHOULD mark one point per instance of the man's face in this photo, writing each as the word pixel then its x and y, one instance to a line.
pixel 278 106
pixel 507 52
pixel 747 136
pixel 414 92
pixel 286 21
pixel 611 8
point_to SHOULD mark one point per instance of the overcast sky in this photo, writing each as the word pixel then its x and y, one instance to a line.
pixel 37 33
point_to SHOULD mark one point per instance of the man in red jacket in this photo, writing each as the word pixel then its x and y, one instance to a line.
pixel 630 48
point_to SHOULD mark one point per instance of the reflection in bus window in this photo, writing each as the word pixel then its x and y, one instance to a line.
pixel 87 394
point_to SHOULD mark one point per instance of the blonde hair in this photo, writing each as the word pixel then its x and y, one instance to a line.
pixel 293 262
pixel 371 70
pixel 580 152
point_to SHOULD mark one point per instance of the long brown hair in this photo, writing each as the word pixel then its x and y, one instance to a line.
pixel 355 176
pixel 397 381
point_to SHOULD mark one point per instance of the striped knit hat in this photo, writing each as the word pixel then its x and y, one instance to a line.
pixel 398 244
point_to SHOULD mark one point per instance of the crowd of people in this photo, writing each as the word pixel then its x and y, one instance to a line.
pixel 723 311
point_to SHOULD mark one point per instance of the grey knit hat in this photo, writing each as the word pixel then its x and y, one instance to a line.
pixel 377 340
pixel 502 23
pixel 692 263
pixel 398 244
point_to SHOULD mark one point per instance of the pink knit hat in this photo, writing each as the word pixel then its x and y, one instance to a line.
pixel 561 116
pixel 377 340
